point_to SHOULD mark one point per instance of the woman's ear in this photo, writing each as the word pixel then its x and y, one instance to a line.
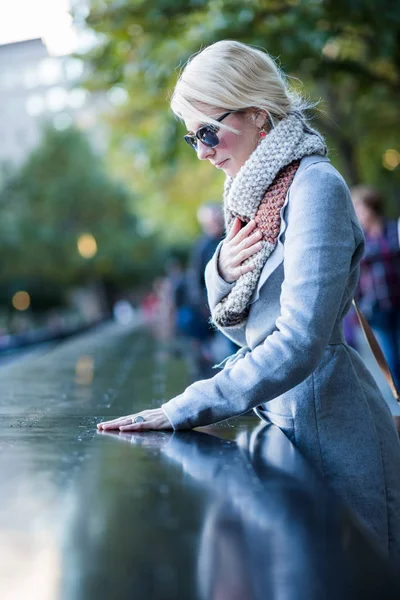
pixel 261 118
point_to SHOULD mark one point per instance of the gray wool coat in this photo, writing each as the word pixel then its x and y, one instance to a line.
pixel 294 366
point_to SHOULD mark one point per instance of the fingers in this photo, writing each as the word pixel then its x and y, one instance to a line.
pixel 152 423
pixel 246 269
pixel 239 233
pixel 153 419
pixel 244 254
pixel 144 426
pixel 236 227
pixel 238 246
pixel 115 423
pixel 250 240
pixel 243 269
pixel 245 232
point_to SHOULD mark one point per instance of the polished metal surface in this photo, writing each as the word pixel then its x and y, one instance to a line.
pixel 227 512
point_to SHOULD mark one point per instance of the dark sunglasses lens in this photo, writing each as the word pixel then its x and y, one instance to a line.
pixel 191 140
pixel 208 137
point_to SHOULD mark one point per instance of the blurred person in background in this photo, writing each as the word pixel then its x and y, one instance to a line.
pixel 179 305
pixel 210 344
pixel 211 222
pixel 150 303
pixel 378 289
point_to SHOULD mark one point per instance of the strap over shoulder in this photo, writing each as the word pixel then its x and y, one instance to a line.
pixel 377 351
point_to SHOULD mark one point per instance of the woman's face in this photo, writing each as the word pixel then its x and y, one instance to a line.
pixel 234 148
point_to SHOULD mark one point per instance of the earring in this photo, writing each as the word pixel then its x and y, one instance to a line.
pixel 263 133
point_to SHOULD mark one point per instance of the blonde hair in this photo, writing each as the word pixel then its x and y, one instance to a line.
pixel 229 75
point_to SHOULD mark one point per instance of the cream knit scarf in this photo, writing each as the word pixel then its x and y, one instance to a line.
pixel 258 192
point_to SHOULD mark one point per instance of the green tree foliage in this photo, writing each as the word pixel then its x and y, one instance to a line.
pixel 60 193
pixel 345 52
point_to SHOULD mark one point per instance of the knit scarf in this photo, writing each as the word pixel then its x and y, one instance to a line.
pixel 258 192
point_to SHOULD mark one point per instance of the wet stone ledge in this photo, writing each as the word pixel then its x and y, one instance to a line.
pixel 229 511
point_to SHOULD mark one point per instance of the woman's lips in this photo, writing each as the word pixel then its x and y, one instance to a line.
pixel 220 164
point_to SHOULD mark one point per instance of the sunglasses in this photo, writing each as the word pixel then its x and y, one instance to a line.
pixel 206 134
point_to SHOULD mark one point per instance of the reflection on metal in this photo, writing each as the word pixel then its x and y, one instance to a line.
pixel 87 246
pixel 232 511
pixel 21 300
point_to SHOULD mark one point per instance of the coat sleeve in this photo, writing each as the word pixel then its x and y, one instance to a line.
pixel 318 249
pixel 217 288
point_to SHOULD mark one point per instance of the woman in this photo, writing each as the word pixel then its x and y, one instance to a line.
pixel 280 284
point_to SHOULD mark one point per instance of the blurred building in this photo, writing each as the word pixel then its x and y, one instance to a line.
pixel 36 88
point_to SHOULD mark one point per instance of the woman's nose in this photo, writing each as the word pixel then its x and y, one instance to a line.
pixel 203 151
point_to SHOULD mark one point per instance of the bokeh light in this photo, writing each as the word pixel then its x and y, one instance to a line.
pixel 391 159
pixel 87 245
pixel 84 370
pixel 21 300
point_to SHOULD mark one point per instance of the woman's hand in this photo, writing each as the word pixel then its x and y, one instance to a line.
pixel 153 419
pixel 238 245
